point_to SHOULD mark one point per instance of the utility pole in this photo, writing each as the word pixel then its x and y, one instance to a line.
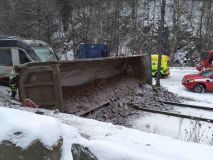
pixel 161 48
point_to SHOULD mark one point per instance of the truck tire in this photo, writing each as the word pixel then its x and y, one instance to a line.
pixel 198 88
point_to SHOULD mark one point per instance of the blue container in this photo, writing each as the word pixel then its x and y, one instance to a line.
pixel 93 51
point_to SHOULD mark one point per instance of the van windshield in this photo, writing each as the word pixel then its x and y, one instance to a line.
pixel 45 53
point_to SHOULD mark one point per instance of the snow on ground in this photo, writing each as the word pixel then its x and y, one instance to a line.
pixel 183 129
pixel 33 127
pixel 106 141
pixel 69 55
pixel 177 128
pixel 145 145
pixel 194 112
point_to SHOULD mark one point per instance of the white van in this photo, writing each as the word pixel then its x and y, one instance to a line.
pixel 16 51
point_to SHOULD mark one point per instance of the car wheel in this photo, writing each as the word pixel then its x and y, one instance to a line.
pixel 198 88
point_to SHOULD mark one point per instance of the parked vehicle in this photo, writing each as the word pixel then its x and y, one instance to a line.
pixel 199 82
pixel 165 68
pixel 15 51
pixel 93 51
pixel 206 60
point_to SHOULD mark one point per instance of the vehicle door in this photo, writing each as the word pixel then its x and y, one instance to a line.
pixel 23 57
pixel 6 61
pixel 15 56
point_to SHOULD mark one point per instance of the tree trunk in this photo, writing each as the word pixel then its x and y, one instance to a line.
pixel 161 49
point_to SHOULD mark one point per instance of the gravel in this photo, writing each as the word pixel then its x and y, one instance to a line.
pixel 120 112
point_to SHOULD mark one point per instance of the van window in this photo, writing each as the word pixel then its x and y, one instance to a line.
pixel 5 57
pixel 45 53
pixel 23 58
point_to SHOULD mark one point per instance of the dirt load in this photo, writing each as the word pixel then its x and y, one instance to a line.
pixel 83 98
pixel 120 112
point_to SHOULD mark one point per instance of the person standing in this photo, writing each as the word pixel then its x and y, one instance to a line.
pixel 13 83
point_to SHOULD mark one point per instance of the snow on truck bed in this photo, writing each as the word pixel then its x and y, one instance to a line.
pixel 106 141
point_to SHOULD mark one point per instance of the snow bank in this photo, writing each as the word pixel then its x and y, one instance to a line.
pixel 30 125
pixel 22 128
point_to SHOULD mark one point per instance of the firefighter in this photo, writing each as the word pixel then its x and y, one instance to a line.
pixel 13 83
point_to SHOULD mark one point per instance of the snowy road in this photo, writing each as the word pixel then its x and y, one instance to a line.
pixel 174 84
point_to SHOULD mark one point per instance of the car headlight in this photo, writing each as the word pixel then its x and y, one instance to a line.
pixel 190 81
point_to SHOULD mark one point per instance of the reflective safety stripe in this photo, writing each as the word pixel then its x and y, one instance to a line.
pixel 204 80
pixel 13 87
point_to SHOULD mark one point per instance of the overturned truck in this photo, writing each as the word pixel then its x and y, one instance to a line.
pixel 80 85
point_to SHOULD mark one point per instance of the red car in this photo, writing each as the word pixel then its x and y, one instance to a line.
pixel 199 82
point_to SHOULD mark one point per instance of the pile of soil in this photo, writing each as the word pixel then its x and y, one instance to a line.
pixel 82 98
pixel 120 111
